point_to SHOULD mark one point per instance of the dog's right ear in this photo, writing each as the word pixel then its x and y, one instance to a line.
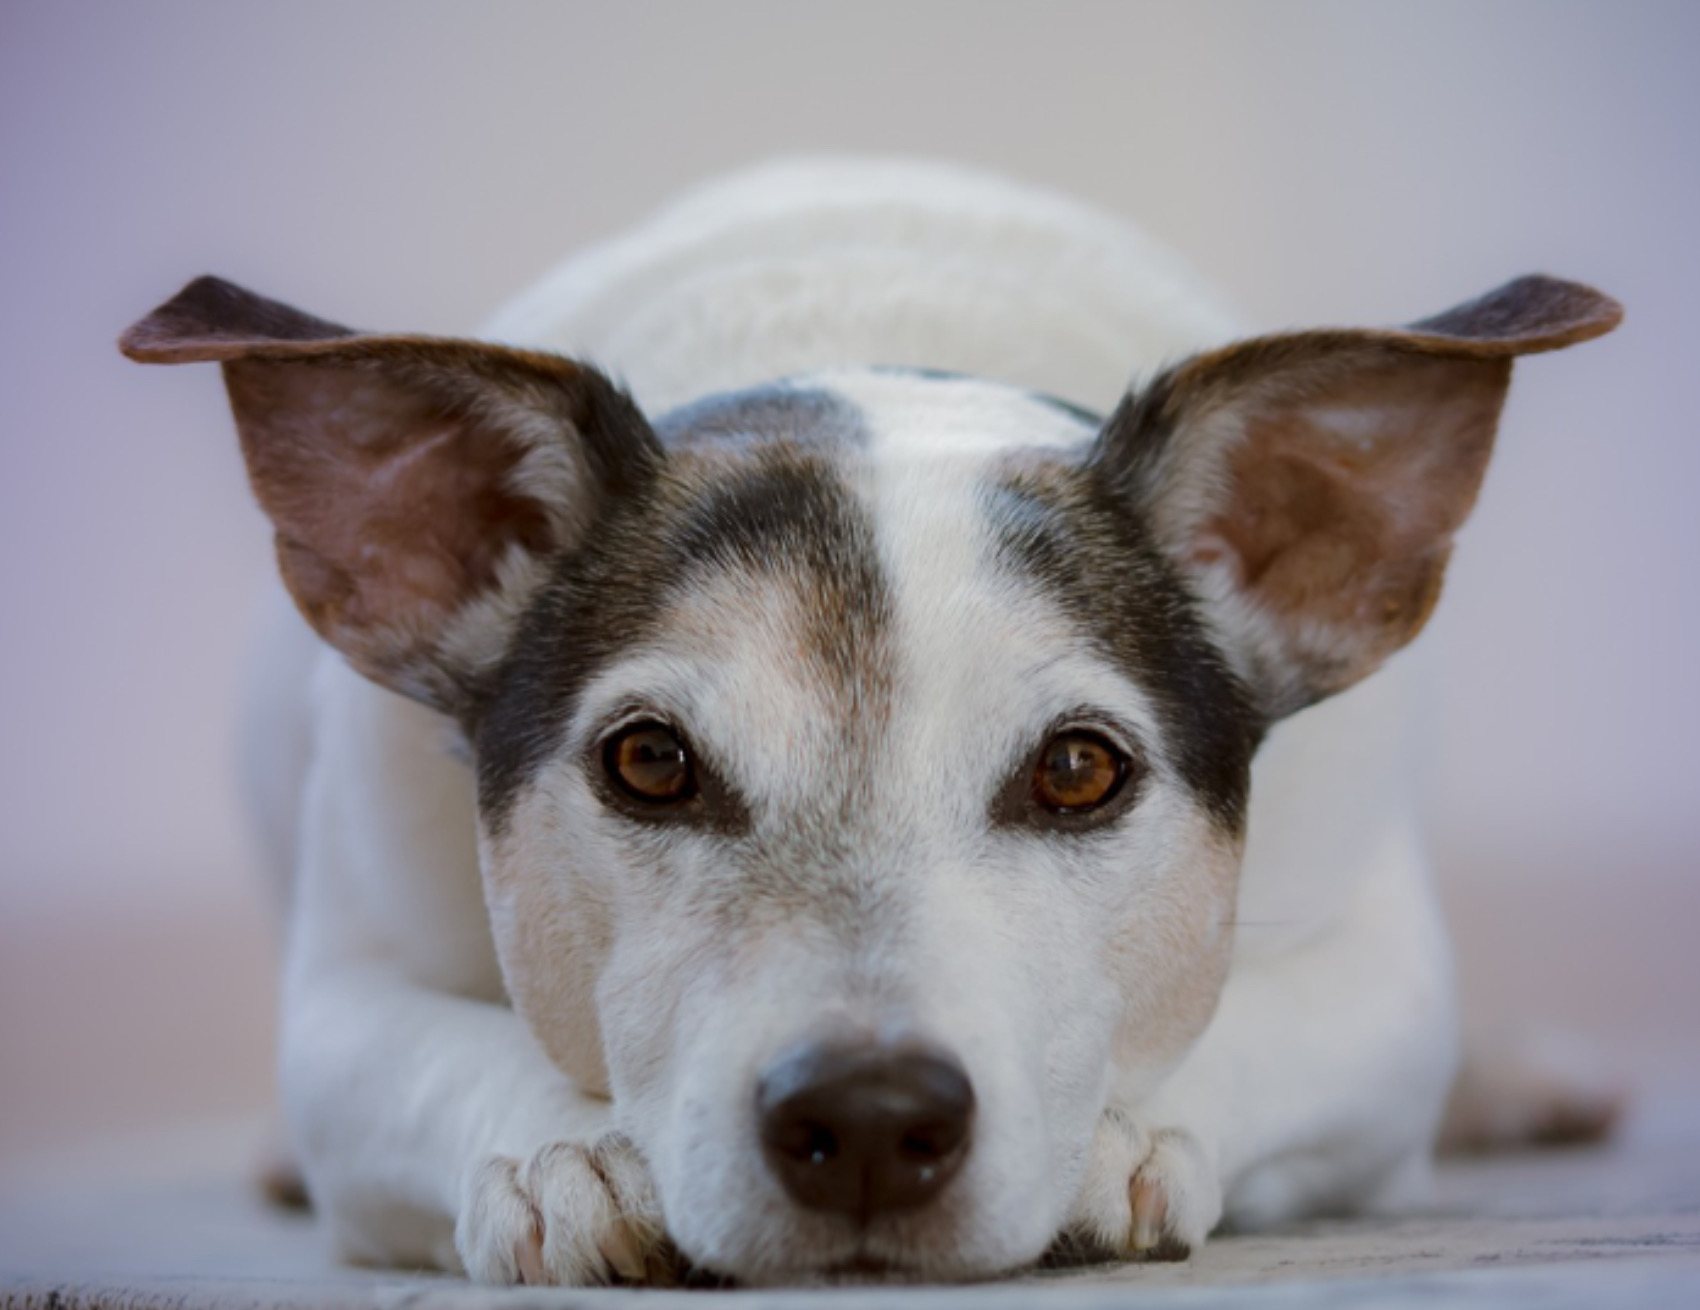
pixel 418 485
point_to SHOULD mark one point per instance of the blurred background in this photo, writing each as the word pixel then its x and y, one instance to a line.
pixel 407 164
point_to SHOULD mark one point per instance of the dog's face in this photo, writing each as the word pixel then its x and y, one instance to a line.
pixel 862 760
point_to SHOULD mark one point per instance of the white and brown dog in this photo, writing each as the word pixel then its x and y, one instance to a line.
pixel 863 775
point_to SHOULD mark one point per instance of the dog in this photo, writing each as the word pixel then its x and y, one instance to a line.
pixel 874 795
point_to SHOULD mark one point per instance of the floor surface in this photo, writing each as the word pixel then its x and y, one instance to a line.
pixel 1603 1227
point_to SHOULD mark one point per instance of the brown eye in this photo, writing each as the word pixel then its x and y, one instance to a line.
pixel 650 763
pixel 1078 771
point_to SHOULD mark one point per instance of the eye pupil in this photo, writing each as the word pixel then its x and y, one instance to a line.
pixel 1078 771
pixel 649 761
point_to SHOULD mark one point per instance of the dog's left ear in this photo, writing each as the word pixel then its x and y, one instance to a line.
pixel 419 486
pixel 1309 484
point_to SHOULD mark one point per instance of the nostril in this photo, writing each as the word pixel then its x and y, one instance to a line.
pixel 931 1142
pixel 864 1129
pixel 810 1143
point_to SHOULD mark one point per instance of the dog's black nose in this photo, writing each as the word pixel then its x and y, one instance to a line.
pixel 865 1130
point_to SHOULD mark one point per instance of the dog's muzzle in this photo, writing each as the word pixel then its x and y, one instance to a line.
pixel 867 1129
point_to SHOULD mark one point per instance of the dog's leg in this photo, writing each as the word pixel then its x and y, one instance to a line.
pixel 434 1130
pixel 567 1214
pixel 431 1127
pixel 1318 1084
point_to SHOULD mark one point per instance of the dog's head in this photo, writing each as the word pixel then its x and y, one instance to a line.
pixel 862 760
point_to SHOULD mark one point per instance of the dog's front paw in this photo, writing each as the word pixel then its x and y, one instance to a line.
pixel 1148 1195
pixel 571 1215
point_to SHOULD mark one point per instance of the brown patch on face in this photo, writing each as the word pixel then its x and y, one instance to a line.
pixel 552 954
pixel 1325 473
pixel 1173 959
pixel 783 511
pixel 402 472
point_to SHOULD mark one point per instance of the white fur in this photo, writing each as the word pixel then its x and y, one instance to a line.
pixel 418 1099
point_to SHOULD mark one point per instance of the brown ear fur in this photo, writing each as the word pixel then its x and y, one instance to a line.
pixel 1309 484
pixel 416 484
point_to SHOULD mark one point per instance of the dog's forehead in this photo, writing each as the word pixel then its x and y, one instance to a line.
pixel 840 565
pixel 801 412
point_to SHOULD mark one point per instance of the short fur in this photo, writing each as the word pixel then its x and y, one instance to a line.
pixel 843 541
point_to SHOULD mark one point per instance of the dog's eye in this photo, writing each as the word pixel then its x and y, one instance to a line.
pixel 1078 771
pixel 649 762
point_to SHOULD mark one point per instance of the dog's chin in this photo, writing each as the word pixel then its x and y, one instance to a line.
pixel 972 1232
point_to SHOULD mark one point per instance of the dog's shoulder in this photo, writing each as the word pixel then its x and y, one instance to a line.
pixel 1335 796
pixel 385 854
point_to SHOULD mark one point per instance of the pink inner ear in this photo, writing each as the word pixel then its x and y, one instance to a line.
pixel 393 512
pixel 1343 505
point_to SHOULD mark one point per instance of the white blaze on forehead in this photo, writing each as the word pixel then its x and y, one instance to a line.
pixel 908 414
pixel 984 657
